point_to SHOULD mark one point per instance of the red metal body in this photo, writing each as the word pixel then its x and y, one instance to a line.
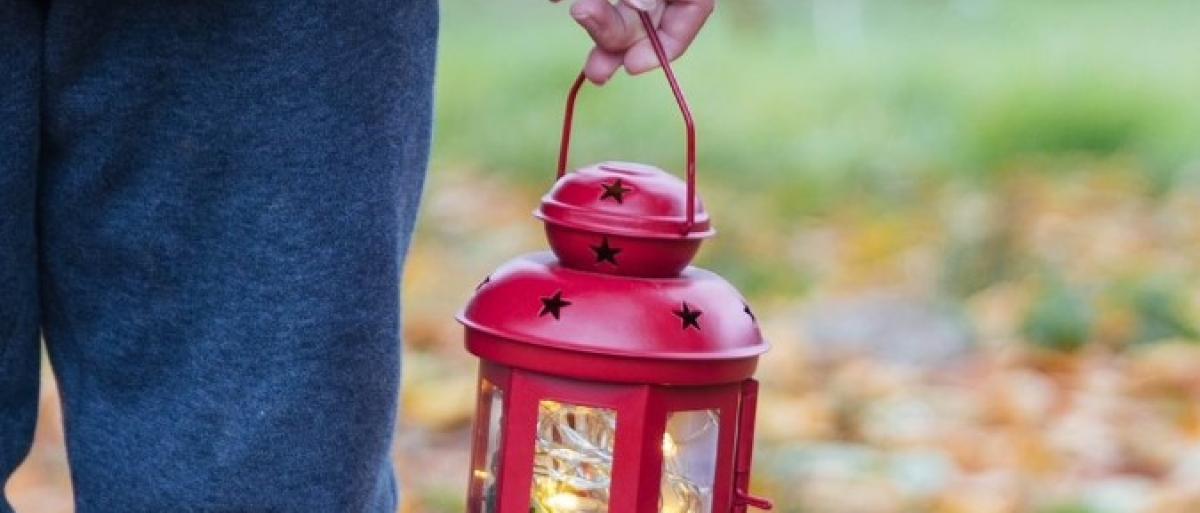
pixel 614 377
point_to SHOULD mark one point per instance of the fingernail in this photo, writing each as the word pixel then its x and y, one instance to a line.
pixel 585 19
pixel 644 5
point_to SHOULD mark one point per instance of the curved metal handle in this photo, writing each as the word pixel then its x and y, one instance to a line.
pixel 689 124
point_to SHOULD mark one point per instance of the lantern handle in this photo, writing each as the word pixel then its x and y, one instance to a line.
pixel 689 123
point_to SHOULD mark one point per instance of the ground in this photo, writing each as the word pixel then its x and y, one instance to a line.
pixel 969 229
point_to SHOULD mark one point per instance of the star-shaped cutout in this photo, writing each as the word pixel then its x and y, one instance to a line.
pixel 606 253
pixel 553 305
pixel 616 191
pixel 746 309
pixel 691 318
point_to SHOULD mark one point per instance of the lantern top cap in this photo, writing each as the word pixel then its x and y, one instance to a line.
pixel 534 300
pixel 624 198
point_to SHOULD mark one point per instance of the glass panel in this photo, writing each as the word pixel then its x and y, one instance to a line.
pixel 689 461
pixel 572 461
pixel 485 476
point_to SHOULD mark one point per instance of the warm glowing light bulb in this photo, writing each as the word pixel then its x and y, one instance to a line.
pixel 668 446
pixel 482 475
pixel 563 502
pixel 675 508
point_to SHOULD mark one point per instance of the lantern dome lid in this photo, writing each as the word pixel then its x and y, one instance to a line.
pixel 624 198
pixel 535 300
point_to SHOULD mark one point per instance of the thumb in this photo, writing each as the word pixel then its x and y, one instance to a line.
pixel 641 5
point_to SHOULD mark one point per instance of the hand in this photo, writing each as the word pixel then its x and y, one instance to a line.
pixel 621 40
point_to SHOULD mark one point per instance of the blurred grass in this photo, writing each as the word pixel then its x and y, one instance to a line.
pixel 806 110
pixel 1029 168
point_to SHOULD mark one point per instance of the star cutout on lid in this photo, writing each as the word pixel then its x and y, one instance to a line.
pixel 690 317
pixel 553 305
pixel 606 253
pixel 746 309
pixel 616 191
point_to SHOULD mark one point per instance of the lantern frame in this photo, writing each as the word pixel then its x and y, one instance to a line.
pixel 642 413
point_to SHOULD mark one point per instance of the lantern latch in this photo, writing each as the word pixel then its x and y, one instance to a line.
pixel 744 500
pixel 745 452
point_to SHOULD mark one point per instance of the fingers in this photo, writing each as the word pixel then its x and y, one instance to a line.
pixel 641 57
pixel 602 65
pixel 613 28
pixel 681 21
pixel 641 5
pixel 621 41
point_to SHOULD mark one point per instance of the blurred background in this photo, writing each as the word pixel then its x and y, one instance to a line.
pixel 970 229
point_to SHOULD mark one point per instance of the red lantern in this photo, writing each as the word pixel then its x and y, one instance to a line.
pixel 614 378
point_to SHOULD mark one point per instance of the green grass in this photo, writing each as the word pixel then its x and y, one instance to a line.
pixel 799 122
pixel 930 91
